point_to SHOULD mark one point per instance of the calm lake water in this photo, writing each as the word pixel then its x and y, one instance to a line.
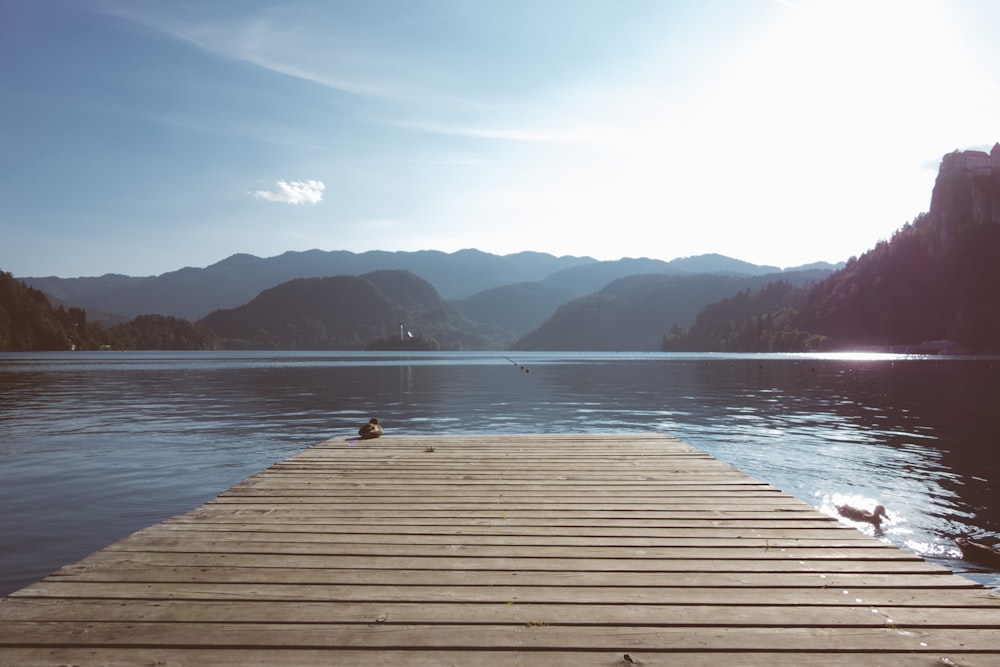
pixel 94 446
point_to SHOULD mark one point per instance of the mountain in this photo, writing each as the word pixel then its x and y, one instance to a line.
pixel 716 263
pixel 522 307
pixel 346 312
pixel 634 313
pixel 931 287
pixel 93 293
pixel 193 292
pixel 588 278
pixel 517 308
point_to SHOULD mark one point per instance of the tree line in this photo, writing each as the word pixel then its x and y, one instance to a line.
pixel 30 323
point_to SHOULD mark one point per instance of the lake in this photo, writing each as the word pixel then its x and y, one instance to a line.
pixel 94 446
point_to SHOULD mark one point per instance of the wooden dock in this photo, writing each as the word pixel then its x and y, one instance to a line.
pixel 594 549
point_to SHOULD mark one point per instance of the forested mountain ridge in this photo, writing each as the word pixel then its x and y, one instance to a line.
pixel 934 285
pixel 345 313
pixel 633 313
pixel 30 323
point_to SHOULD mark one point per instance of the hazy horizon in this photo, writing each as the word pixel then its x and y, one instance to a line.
pixel 222 259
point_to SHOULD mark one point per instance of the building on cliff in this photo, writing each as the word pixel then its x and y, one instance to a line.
pixel 981 163
pixel 966 193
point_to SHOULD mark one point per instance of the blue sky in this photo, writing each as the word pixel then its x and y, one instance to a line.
pixel 139 136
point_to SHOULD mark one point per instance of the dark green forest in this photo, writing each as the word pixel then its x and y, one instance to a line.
pixel 751 321
pixel 30 323
pixel 924 284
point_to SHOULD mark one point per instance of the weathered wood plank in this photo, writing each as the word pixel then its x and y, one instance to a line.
pixel 470 637
pixel 413 550
pixel 234 558
pixel 753 615
pixel 598 517
pixel 359 657
pixel 431 535
pixel 866 591
pixel 538 517
pixel 746 573
pixel 481 658
pixel 711 526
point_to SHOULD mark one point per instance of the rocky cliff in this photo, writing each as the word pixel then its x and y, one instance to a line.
pixel 966 194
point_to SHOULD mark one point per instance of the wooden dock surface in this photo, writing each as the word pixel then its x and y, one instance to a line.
pixel 567 550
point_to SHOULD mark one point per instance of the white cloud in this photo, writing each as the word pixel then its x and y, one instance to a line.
pixel 293 192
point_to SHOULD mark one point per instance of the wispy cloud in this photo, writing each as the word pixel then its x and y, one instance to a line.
pixel 293 192
pixel 279 42
pixel 579 134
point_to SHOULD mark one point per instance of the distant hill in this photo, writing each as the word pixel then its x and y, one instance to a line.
pixel 931 287
pixel 517 308
pixel 634 313
pixel 346 312
pixel 588 278
pixel 194 292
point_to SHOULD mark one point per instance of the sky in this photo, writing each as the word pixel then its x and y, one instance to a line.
pixel 140 136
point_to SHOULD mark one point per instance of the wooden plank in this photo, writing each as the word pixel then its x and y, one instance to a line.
pixel 538 516
pixel 624 523
pixel 212 611
pixel 419 550
pixel 748 573
pixel 116 657
pixel 824 563
pixel 818 593
pixel 680 548
pixel 357 657
pixel 572 549
pixel 486 637
pixel 307 521
pixel 661 537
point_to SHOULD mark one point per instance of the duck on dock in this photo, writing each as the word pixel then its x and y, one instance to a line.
pixel 370 430
pixel 873 517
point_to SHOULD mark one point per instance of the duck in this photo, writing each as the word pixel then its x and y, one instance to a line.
pixel 978 552
pixel 370 430
pixel 854 514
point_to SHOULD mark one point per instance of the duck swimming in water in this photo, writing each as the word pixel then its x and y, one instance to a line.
pixel 979 552
pixel 854 514
pixel 370 430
